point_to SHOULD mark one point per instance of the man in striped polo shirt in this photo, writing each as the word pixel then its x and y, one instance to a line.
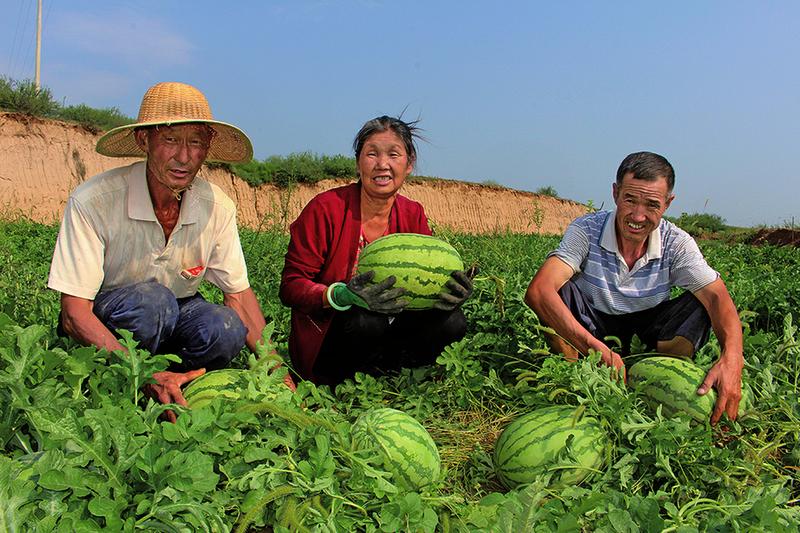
pixel 612 275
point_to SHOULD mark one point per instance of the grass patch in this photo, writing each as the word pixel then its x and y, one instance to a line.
pixel 74 418
pixel 300 167
pixel 547 190
pixel 697 224
pixel 24 97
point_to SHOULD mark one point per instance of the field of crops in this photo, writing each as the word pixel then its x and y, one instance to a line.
pixel 82 450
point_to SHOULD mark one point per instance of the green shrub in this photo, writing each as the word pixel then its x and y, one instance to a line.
pixel 339 166
pixel 699 223
pixel 547 190
pixel 301 167
pixel 99 119
pixel 24 97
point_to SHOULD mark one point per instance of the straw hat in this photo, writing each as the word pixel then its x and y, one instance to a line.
pixel 177 103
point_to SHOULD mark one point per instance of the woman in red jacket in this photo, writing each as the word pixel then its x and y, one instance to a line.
pixel 331 338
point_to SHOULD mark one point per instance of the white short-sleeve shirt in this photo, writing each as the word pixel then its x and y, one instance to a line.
pixel 110 238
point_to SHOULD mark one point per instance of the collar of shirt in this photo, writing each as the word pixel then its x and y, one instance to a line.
pixel 608 239
pixel 140 206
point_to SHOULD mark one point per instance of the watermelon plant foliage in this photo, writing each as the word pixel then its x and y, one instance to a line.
pixel 83 450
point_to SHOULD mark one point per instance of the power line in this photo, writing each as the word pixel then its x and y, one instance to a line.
pixel 44 25
pixel 11 57
pixel 31 41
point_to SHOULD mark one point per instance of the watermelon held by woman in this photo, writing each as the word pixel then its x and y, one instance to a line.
pixel 672 383
pixel 421 265
pixel 406 448
pixel 550 439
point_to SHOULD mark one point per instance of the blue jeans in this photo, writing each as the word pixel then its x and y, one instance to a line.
pixel 203 334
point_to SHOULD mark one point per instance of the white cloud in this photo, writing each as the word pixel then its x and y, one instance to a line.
pixel 73 85
pixel 134 39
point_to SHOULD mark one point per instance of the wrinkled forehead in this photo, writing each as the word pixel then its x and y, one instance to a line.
pixel 186 130
pixel 658 188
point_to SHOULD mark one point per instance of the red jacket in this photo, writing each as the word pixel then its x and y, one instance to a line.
pixel 322 250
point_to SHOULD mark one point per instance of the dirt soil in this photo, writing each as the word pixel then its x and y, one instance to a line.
pixel 41 161
pixel 778 237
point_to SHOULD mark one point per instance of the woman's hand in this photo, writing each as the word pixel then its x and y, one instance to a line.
pixel 380 297
pixel 460 287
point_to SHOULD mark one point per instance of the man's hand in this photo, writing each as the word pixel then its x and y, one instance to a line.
pixel 726 377
pixel 726 374
pixel 460 287
pixel 167 388
pixel 611 358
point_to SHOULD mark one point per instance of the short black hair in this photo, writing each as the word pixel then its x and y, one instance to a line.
pixel 647 166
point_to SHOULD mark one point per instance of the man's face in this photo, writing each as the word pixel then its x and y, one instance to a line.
pixel 175 153
pixel 640 205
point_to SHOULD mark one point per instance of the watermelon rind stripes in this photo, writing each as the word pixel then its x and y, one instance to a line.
pixel 226 382
pixel 672 383
pixel 421 265
pixel 406 448
pixel 534 444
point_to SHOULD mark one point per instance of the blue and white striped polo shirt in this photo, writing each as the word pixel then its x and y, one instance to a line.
pixel 672 259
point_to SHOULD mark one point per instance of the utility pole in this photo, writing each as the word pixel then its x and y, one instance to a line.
pixel 38 44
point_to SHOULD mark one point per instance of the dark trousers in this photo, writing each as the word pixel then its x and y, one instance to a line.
pixel 203 334
pixel 683 316
pixel 362 341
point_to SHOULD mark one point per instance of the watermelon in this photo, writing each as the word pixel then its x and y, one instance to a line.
pixel 406 449
pixel 672 382
pixel 421 264
pixel 535 443
pixel 225 383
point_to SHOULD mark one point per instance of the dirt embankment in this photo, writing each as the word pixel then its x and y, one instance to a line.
pixel 41 161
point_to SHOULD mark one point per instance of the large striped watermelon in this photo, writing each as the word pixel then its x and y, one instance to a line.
pixel 226 383
pixel 672 382
pixel 422 265
pixel 535 443
pixel 406 448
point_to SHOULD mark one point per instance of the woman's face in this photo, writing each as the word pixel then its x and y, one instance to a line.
pixel 383 164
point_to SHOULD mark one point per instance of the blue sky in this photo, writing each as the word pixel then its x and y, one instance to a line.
pixel 526 94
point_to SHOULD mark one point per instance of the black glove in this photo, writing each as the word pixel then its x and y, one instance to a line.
pixel 377 297
pixel 460 287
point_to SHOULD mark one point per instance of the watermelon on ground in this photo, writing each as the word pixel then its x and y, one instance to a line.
pixel 226 383
pixel 421 265
pixel 406 448
pixel 536 443
pixel 672 383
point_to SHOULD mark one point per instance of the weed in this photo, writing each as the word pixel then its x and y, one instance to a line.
pixel 547 190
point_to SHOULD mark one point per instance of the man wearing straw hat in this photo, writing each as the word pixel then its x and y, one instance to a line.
pixel 136 242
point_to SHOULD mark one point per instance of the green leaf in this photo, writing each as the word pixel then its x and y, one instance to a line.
pixel 16 493
pixel 109 509
pixel 68 428
pixel 621 521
